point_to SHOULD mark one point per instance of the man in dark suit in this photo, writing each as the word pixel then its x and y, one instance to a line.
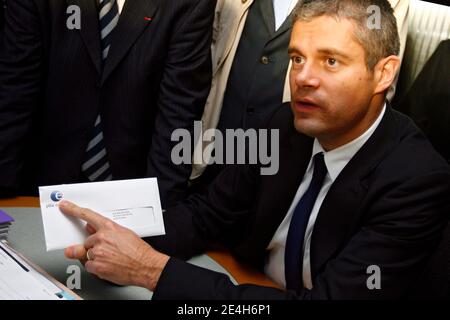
pixel 355 210
pixel 92 91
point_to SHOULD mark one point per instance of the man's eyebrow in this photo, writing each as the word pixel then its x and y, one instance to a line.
pixel 292 50
pixel 334 52
pixel 324 51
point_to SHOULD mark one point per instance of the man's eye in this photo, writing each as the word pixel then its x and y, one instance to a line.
pixel 297 60
pixel 332 62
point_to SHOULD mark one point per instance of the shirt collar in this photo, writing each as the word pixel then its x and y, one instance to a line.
pixel 337 159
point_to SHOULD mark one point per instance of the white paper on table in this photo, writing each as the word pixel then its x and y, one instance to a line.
pixel 134 204
pixel 17 282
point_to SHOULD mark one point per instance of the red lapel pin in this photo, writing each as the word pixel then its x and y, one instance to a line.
pixel 147 19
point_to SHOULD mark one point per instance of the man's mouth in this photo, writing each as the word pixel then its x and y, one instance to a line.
pixel 305 105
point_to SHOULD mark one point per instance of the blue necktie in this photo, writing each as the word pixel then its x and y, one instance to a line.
pixel 96 165
pixel 293 256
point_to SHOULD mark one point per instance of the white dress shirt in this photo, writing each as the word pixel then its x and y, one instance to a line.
pixel 282 9
pixel 335 161
pixel 120 4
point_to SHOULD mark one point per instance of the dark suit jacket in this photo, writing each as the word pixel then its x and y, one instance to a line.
pixel 2 17
pixel 52 87
pixel 428 100
pixel 387 208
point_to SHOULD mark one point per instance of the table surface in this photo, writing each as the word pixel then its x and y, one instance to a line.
pixel 27 236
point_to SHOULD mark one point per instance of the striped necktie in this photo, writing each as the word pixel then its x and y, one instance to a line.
pixel 96 165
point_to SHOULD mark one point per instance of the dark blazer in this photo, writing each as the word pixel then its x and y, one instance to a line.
pixel 52 87
pixel 428 100
pixel 2 17
pixel 387 208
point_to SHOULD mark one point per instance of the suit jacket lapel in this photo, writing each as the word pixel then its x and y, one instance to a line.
pixel 135 17
pixel 229 24
pixel 336 218
pixel 276 196
pixel 282 187
pixel 90 30
pixel 268 14
pixel 285 27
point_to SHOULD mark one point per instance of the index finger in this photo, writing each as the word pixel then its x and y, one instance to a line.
pixel 94 219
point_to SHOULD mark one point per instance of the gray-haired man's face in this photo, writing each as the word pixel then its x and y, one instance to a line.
pixel 331 86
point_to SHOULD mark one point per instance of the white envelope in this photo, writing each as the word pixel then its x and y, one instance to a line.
pixel 134 204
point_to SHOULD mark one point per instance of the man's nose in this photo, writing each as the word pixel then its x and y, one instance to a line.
pixel 307 76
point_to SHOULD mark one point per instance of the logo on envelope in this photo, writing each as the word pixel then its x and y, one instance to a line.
pixel 56 196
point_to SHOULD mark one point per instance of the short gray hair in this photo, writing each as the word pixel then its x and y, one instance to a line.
pixel 378 43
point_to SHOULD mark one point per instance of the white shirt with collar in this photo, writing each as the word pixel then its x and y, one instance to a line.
pixel 335 161
pixel 282 9
pixel 120 4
